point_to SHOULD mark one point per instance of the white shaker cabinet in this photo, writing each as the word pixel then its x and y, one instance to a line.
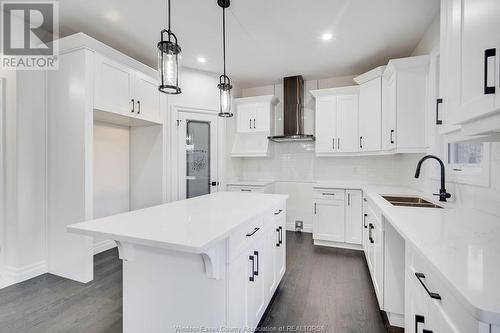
pixel 329 216
pixel 255 114
pixel 404 102
pixel 113 86
pixel 326 124
pixel 353 217
pixel 336 120
pixel 370 109
pixel 147 97
pixel 474 57
pixel 122 90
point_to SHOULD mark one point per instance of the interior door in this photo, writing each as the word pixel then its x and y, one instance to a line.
pixel 197 154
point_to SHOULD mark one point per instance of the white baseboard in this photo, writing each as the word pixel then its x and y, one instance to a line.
pixel 338 245
pixel 307 228
pixel 13 275
pixel 103 246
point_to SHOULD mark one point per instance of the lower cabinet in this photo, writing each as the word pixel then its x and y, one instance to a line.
pixel 337 217
pixel 255 271
pixel 373 235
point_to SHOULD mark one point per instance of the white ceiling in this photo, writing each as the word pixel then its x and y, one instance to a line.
pixel 267 39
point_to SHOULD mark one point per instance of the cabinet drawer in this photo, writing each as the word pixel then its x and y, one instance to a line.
pixel 234 188
pixel 444 309
pixel 245 236
pixel 328 194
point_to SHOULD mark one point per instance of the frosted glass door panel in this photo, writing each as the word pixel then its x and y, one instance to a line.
pixel 197 158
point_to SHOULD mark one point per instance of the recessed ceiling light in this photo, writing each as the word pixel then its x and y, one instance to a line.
pixel 326 36
pixel 202 60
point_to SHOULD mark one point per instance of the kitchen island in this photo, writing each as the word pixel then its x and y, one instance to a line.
pixel 212 261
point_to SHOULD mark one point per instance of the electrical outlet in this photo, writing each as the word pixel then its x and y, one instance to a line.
pixel 299 225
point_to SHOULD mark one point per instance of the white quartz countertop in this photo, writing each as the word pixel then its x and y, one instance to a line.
pixel 191 225
pixel 463 245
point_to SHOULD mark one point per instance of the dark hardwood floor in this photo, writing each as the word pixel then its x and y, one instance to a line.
pixel 322 286
pixel 325 287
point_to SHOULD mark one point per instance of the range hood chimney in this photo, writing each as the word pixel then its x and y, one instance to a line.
pixel 293 111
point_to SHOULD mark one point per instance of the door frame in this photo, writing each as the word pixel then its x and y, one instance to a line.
pixel 172 163
pixel 2 176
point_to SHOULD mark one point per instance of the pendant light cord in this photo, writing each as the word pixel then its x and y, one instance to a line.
pixel 168 14
pixel 223 38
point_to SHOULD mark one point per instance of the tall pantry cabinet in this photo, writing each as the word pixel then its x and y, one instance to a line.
pixel 105 146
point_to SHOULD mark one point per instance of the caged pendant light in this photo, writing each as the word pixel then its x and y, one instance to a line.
pixel 224 80
pixel 169 53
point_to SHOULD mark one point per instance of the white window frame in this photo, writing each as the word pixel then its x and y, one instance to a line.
pixel 461 174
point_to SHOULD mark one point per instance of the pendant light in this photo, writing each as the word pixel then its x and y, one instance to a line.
pixel 168 60
pixel 224 80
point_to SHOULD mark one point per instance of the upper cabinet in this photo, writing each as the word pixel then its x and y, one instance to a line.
pixel 370 110
pixel 254 123
pixel 255 114
pixel 404 101
pixel 122 90
pixel 336 120
pixel 470 60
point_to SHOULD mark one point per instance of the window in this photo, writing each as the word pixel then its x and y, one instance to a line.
pixel 465 155
pixel 468 163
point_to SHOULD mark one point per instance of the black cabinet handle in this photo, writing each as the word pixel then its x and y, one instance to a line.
pixel 333 144
pixel 280 235
pixel 245 190
pixel 338 143
pixel 421 276
pixel 250 123
pixel 426 331
pixel 488 54
pixel 392 136
pixel 364 221
pixel 278 212
pixel 438 121
pixel 315 211
pixel 253 232
pixel 256 253
pixel 348 199
pixel 418 320
pixel 360 142
pixel 326 193
pixel 370 237
pixel 133 106
pixel 138 107
pixel 252 277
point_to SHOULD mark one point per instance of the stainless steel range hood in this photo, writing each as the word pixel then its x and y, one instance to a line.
pixel 293 112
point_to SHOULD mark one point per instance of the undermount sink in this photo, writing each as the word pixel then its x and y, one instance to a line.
pixel 410 202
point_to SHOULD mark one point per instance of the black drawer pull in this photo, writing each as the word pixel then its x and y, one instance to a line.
pixel 278 235
pixel 421 276
pixel 256 253
pixel 392 136
pixel 438 121
pixel 252 277
pixel 253 232
pixel 488 54
pixel 281 234
pixel 325 193
pixel 364 221
pixel 418 320
pixel 278 212
pixel 370 237
pixel 245 190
